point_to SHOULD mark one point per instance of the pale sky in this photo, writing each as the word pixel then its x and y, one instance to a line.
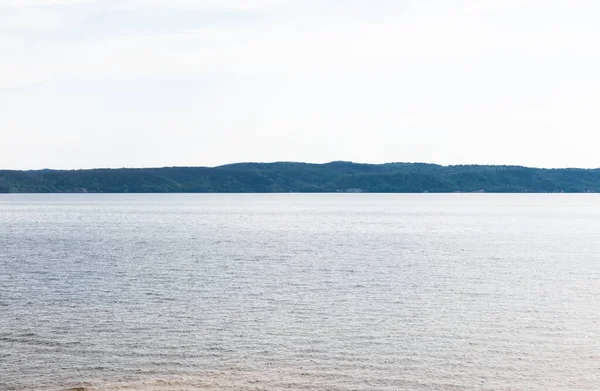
pixel 147 83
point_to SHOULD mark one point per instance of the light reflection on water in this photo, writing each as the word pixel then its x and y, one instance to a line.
pixel 318 292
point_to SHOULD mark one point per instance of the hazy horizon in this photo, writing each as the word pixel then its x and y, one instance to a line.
pixel 289 161
pixel 153 83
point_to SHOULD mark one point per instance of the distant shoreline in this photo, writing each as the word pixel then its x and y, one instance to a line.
pixel 291 177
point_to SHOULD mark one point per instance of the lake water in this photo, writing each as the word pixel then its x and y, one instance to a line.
pixel 300 292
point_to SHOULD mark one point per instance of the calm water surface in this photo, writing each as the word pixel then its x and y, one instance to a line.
pixel 300 292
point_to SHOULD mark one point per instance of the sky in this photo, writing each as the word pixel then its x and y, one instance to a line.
pixel 153 83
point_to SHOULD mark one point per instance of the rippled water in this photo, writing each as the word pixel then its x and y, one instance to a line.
pixel 300 292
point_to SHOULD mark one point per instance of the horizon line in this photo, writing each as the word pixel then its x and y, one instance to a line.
pixel 300 162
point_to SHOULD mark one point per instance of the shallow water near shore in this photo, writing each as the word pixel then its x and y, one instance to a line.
pixel 300 292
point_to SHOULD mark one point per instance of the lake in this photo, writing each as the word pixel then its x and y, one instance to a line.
pixel 300 292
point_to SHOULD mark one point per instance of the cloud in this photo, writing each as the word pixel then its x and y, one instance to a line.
pixel 23 20
pixel 312 39
pixel 207 4
pixel 121 4
pixel 479 40
pixel 385 76
pixel 41 3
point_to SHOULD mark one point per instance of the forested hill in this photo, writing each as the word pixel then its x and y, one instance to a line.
pixel 304 177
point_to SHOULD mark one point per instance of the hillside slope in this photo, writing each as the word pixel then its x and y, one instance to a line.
pixel 304 177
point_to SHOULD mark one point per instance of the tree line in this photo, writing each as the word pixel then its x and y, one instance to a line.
pixel 305 177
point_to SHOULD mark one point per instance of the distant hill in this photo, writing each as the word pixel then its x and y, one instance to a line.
pixel 304 177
